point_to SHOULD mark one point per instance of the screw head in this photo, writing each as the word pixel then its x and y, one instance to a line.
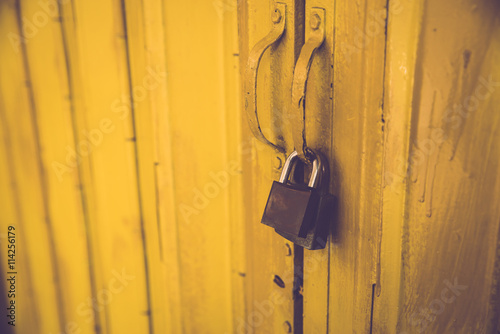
pixel 276 17
pixel 315 21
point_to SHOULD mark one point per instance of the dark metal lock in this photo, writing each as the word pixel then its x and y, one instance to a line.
pixel 317 235
pixel 296 211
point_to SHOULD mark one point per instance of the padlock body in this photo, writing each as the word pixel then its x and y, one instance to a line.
pixel 291 208
pixel 317 235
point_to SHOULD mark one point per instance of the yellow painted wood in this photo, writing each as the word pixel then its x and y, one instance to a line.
pixel 356 162
pixel 52 108
pixel 10 216
pixel 33 223
pixel 146 63
pixel 201 166
pixel 444 208
pixel 404 27
pixel 99 72
pixel 235 155
pixel 156 217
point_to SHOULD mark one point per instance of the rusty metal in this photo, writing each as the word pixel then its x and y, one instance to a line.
pixel 252 69
pixel 300 76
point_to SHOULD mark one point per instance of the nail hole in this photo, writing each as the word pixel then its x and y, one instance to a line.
pixel 288 250
pixel 279 282
pixel 287 326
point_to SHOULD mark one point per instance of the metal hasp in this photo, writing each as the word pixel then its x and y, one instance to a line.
pixel 300 75
pixel 252 69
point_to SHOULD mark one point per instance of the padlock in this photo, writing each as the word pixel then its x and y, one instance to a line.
pixel 317 235
pixel 299 212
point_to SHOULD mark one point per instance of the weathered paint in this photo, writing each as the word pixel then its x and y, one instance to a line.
pixel 172 193
pixel 439 260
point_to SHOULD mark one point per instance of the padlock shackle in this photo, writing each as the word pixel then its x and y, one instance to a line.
pixel 316 168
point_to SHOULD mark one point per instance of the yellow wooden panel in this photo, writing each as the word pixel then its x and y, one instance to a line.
pixel 402 44
pixel 129 170
pixel 452 200
pixel 235 154
pixel 98 67
pixel 195 49
pixel 146 62
pixel 51 97
pixel 10 216
pixel 440 189
pixel 356 162
pixel 36 244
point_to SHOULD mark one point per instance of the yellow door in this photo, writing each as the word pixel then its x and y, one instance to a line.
pixel 132 187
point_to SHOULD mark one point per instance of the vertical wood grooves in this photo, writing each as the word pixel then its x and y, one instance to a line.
pixel 378 259
pixel 19 212
pixel 138 177
pixel 7 182
pixel 170 166
pixel 232 126
pixel 412 133
pixel 157 205
pixel 298 284
pixel 226 213
pixel 55 270
pixel 387 260
pixel 359 58
pixel 332 163
pixel 248 185
pixel 82 188
pixel 371 312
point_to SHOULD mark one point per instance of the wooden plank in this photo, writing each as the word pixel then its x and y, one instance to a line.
pixel 146 63
pixel 195 49
pixel 404 25
pixel 356 165
pixel 96 47
pixel 10 216
pixel 235 155
pixel 450 232
pixel 166 201
pixel 36 244
pixel 46 61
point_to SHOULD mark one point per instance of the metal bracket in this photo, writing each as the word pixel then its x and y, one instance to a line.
pixel 279 20
pixel 300 75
